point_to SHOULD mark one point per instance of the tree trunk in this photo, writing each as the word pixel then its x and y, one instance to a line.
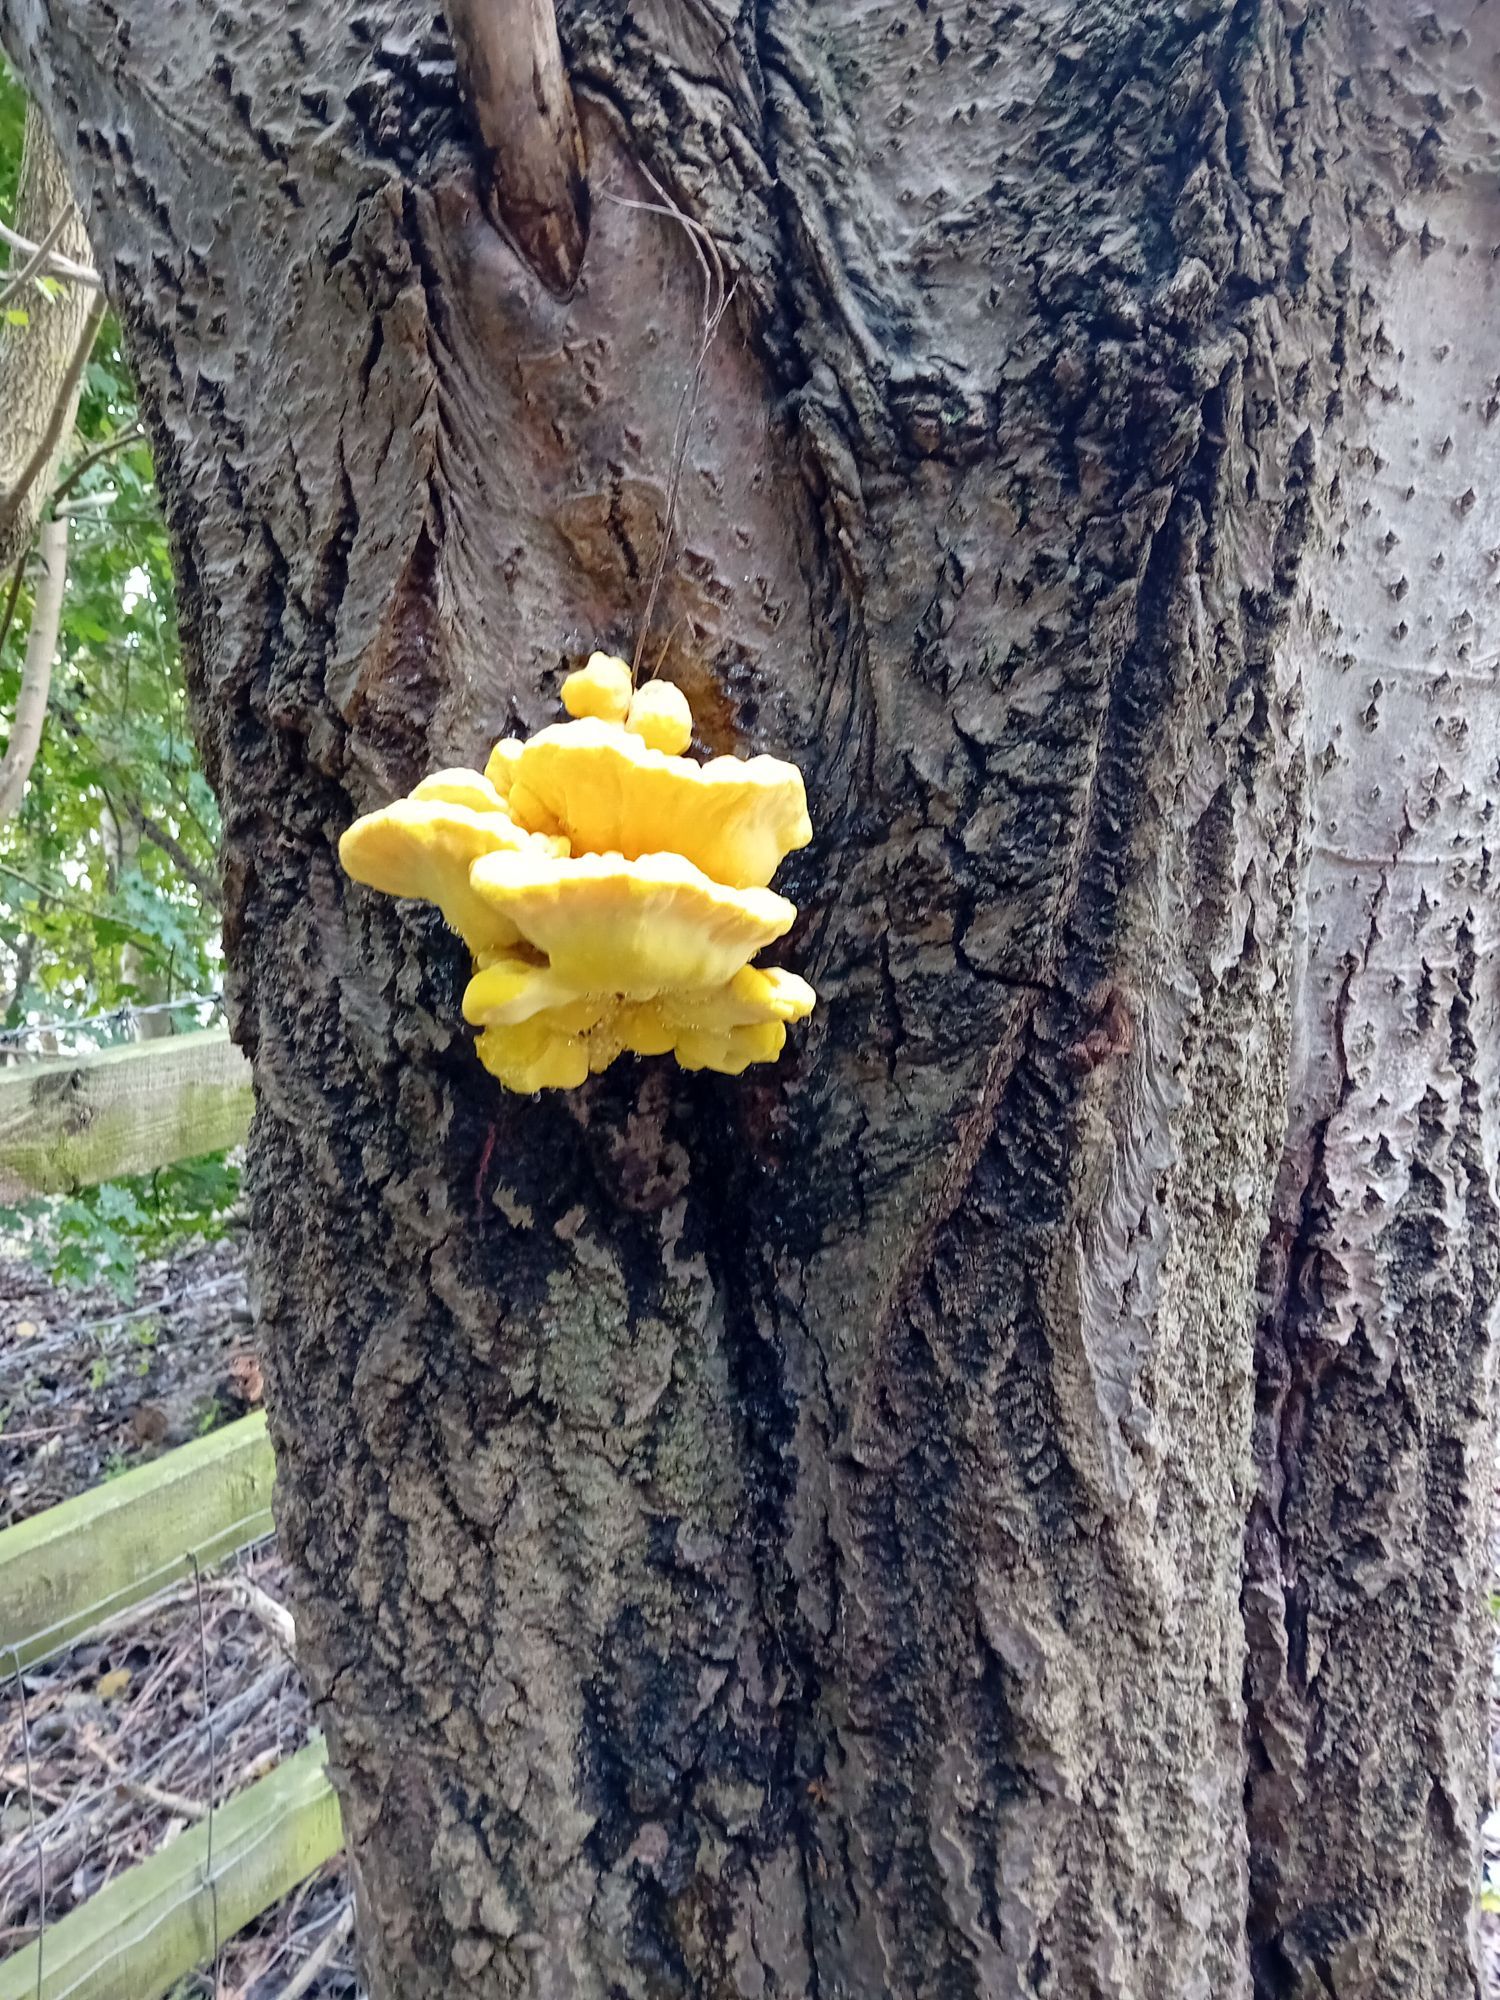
pixel 996 1504
pixel 30 713
pixel 44 352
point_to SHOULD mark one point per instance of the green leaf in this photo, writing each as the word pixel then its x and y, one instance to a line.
pixel 12 130
pixel 104 1234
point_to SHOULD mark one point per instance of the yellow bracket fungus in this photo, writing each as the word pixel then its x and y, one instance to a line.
pixel 426 846
pixel 612 890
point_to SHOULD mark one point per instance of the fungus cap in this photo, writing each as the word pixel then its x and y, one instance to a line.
pixel 426 847
pixel 512 986
pixel 660 716
pixel 606 792
pixel 600 689
pixel 460 788
pixel 611 890
pixel 501 766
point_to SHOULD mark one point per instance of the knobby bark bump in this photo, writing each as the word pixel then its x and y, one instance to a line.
pixel 997 1506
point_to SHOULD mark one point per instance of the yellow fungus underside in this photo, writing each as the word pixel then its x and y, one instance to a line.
pixel 630 927
pixel 557 1045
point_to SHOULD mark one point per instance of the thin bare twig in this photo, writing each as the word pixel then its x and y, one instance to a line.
pixel 58 266
pixel 132 434
pixel 136 1788
pixel 207 889
pixel 15 1780
pixel 320 1958
pixel 65 902
pixel 167 1802
pixel 37 259
pixel 717 295
pixel 275 1617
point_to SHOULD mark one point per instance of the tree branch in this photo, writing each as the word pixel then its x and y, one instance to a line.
pixel 63 901
pixel 57 266
pixel 34 263
pixel 17 577
pixel 36 673
pixel 510 67
pixel 132 435
pixel 26 952
pixel 43 355
pixel 177 854
pixel 62 415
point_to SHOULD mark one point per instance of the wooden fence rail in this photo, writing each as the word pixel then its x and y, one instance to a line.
pixel 74 1121
pixel 149 1927
pixel 78 1563
pixel 62 1573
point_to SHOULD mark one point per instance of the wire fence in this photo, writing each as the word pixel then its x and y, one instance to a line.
pixel 104 1332
pixel 161 1787
pixel 39 1038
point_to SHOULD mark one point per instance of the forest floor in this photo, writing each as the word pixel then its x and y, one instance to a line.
pixel 110 1755
pixel 113 1728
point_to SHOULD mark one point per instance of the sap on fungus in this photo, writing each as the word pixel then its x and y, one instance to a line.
pixel 612 890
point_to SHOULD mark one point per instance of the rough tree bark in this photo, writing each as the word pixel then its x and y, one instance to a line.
pixel 842 1532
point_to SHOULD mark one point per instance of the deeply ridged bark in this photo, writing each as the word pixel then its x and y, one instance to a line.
pixel 789 1536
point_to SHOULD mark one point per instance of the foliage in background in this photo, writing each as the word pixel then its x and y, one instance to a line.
pixel 102 1235
pixel 107 873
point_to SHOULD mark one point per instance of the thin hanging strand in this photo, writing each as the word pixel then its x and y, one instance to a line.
pixel 717 296
pixel 213 1774
pixel 666 647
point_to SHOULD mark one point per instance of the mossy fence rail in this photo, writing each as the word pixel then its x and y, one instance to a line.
pixel 64 1124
